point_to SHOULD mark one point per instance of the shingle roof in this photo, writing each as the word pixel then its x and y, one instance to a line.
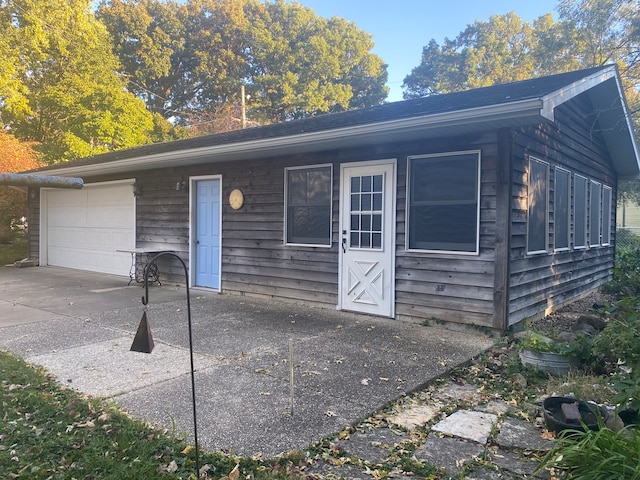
pixel 433 106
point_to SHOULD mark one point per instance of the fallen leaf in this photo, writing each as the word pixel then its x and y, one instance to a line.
pixel 186 450
pixel 235 473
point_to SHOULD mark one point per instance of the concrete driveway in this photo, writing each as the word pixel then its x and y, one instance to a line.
pixel 80 327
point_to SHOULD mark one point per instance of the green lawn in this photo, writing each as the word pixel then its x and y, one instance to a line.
pixel 16 250
pixel 51 432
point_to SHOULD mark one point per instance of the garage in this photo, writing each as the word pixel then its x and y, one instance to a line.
pixel 84 229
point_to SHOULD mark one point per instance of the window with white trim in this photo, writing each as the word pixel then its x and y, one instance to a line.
pixel 561 204
pixel 595 213
pixel 443 202
pixel 606 215
pixel 308 202
pixel 538 211
pixel 579 212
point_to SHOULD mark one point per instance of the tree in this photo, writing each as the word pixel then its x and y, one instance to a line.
pixel 15 156
pixel 189 61
pixel 59 85
pixel 504 49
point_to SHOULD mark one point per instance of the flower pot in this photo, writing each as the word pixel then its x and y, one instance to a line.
pixel 553 363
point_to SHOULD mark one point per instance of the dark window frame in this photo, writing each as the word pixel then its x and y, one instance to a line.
pixel 413 242
pixel 292 238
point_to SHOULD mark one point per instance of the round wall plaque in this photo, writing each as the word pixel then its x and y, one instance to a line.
pixel 236 199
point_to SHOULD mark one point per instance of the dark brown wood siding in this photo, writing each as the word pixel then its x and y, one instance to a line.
pixel 450 287
pixel 541 282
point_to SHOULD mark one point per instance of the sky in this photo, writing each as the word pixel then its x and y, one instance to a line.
pixel 401 28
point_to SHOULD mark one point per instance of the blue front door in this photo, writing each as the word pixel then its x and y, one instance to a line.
pixel 207 237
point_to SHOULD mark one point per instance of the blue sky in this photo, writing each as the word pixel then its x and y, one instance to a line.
pixel 401 28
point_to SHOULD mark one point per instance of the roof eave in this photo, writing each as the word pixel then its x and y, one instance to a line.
pixel 474 119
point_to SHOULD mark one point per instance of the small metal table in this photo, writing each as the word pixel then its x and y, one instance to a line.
pixel 139 259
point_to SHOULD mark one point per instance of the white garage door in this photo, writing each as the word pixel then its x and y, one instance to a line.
pixel 84 228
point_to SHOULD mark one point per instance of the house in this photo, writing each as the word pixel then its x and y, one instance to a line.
pixel 483 207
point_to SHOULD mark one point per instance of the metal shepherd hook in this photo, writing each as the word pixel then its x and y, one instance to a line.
pixel 145 301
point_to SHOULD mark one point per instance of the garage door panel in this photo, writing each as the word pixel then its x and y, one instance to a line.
pixel 85 228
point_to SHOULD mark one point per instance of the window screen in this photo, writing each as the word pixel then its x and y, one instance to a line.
pixel 580 212
pixel 595 213
pixel 606 216
pixel 308 206
pixel 443 202
pixel 561 209
pixel 537 220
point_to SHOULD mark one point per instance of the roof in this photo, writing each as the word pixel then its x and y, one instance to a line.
pixel 507 105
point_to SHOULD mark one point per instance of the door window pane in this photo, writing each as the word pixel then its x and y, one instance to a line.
pixel 366 211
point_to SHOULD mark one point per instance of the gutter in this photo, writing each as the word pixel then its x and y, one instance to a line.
pixel 525 111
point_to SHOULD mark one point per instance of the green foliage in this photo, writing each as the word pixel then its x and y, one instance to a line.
pixel 504 49
pixel 188 59
pixel 596 455
pixel 64 91
pixel 620 340
pixel 579 348
pixel 626 273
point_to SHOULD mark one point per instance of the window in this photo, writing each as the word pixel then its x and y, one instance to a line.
pixel 538 213
pixel 561 209
pixel 308 205
pixel 366 195
pixel 606 216
pixel 580 212
pixel 443 202
pixel 595 213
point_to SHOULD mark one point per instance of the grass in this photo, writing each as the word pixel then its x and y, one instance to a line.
pixel 16 250
pixel 51 432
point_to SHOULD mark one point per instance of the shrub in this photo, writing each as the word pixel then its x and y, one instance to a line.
pixel 596 455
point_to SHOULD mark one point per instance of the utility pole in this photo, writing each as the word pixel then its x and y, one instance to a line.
pixel 244 108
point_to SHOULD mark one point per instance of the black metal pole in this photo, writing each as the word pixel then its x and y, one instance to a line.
pixel 145 301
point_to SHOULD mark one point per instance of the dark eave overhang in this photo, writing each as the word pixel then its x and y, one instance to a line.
pixel 457 122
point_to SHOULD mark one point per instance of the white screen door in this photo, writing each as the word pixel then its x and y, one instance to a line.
pixel 367 236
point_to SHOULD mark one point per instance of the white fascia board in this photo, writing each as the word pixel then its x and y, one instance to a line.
pixel 326 139
pixel 553 100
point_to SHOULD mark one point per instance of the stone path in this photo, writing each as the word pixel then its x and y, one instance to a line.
pixel 483 441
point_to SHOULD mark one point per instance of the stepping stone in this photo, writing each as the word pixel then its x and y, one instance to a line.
pixel 521 466
pixel 497 407
pixel 468 424
pixel 414 417
pixel 373 446
pixel 521 434
pixel 457 392
pixel 448 453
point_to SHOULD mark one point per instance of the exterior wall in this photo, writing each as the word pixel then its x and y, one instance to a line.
pixel 463 289
pixel 255 261
pixel 450 287
pixel 541 282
